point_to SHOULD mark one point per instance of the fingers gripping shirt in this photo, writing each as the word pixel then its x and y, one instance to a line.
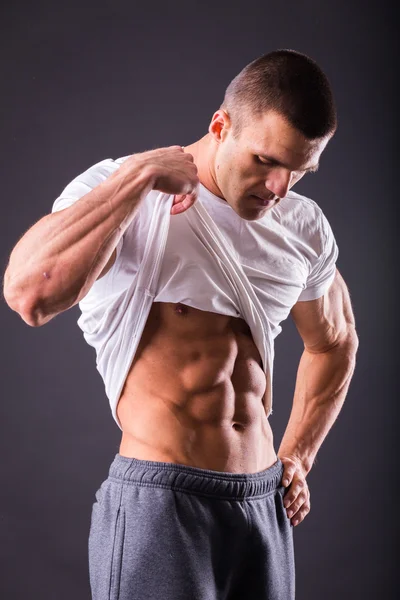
pixel 206 257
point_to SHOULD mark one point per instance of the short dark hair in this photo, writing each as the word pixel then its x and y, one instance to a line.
pixel 288 82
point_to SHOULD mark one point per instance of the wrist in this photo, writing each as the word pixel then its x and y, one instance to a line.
pixel 304 463
pixel 134 175
pixel 147 174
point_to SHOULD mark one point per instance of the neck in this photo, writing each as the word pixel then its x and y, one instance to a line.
pixel 204 153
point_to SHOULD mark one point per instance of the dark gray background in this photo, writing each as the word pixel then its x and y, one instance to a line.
pixel 86 81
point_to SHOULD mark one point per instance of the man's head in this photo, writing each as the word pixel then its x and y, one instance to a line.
pixel 277 116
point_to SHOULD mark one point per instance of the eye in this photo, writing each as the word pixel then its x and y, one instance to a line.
pixel 262 161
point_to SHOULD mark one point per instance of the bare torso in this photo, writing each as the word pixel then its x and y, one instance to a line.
pixel 193 393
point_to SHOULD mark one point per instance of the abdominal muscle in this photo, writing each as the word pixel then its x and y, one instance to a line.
pixel 193 394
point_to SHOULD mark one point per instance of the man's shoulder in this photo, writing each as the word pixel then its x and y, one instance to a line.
pixel 303 219
pixel 294 205
pixel 297 212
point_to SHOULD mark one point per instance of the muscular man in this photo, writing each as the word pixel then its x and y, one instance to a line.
pixel 182 311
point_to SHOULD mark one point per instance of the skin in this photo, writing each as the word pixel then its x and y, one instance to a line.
pixel 266 159
pixel 208 411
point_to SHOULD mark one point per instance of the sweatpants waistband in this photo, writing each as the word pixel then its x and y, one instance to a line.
pixel 195 480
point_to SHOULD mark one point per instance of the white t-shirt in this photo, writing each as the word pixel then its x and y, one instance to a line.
pixel 208 258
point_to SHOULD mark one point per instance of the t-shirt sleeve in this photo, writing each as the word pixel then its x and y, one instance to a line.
pixel 84 183
pixel 323 270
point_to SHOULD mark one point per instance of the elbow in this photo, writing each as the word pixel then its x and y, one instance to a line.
pixel 348 344
pixel 353 339
pixel 348 338
pixel 33 317
pixel 27 308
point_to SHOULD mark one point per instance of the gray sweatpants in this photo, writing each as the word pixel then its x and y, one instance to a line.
pixel 166 531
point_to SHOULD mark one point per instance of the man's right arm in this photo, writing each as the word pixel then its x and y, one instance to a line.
pixel 55 263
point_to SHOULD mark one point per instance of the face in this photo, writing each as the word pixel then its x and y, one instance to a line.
pixel 255 170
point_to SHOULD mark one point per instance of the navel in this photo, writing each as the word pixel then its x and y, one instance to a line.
pixel 237 427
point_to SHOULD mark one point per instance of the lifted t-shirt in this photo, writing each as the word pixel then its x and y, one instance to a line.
pixel 208 258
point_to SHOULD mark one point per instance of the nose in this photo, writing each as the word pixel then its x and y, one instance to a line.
pixel 278 181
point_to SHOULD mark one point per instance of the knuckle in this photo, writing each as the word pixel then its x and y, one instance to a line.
pixel 295 506
pixel 301 484
pixel 298 503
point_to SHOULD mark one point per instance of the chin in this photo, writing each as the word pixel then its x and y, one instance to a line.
pixel 254 218
pixel 252 214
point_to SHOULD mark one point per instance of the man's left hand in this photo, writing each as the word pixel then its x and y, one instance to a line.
pixel 297 498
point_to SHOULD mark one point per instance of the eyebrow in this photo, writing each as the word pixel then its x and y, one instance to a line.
pixel 312 169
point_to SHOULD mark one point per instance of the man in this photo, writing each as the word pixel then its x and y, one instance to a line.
pixel 182 311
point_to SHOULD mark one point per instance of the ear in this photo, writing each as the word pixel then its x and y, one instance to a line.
pixel 220 125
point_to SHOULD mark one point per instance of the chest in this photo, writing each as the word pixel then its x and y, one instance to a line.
pixel 192 274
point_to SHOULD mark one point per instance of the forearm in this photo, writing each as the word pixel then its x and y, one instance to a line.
pixel 322 383
pixel 58 259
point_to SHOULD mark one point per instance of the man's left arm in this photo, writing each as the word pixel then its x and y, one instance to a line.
pixel 327 327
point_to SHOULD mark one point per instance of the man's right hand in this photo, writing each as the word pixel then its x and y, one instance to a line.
pixel 172 171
